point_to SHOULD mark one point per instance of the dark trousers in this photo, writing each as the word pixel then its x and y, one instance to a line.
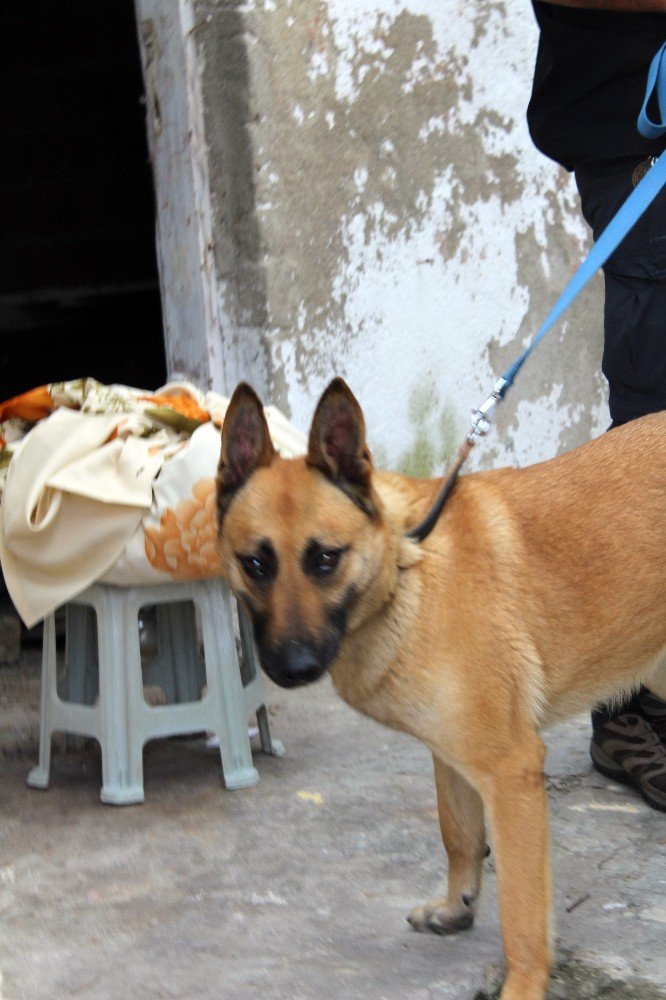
pixel 634 358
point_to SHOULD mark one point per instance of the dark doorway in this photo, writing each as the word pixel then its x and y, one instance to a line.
pixel 79 291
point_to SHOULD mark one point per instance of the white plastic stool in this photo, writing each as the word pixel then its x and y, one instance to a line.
pixel 104 655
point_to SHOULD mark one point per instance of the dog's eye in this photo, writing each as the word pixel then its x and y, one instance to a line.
pixel 327 561
pixel 254 567
pixel 260 566
pixel 321 562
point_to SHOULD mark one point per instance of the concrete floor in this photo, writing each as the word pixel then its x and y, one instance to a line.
pixel 297 889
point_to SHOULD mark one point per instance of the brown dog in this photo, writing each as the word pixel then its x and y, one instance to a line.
pixel 540 592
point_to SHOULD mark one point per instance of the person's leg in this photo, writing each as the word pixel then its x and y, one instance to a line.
pixel 629 736
pixel 634 357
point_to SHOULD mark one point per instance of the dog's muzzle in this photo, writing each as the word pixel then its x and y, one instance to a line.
pixel 294 663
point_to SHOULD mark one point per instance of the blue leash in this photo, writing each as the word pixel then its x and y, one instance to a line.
pixel 630 212
pixel 656 78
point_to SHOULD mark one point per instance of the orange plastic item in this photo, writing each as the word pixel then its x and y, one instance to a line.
pixel 32 406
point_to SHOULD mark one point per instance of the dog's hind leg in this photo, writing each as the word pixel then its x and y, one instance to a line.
pixel 461 823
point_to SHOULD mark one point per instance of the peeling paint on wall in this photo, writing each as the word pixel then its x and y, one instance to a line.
pixel 408 236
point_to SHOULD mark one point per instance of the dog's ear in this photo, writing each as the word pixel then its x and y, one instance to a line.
pixel 246 445
pixel 337 445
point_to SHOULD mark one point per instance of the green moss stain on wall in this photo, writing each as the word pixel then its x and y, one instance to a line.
pixel 436 431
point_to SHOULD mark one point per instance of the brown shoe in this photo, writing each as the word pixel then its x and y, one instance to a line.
pixel 628 749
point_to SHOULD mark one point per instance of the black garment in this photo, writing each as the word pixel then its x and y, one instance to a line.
pixel 634 359
pixel 589 83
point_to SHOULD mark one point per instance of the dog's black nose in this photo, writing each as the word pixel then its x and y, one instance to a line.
pixel 300 663
pixel 295 662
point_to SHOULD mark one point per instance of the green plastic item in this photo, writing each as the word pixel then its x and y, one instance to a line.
pixel 195 664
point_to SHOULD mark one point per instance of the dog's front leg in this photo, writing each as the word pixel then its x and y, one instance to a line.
pixel 514 796
pixel 461 823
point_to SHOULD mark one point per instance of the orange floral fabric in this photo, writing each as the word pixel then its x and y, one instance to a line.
pixel 182 404
pixel 184 543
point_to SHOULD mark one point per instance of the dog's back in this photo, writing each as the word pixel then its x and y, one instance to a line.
pixel 580 543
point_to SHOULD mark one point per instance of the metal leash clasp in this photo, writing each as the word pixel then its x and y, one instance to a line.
pixel 481 421
pixel 481 424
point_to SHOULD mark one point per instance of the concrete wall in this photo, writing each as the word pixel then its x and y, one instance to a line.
pixel 377 211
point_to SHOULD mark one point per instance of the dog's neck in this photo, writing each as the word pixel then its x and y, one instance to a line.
pixel 378 629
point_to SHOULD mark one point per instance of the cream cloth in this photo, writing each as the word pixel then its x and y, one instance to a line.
pixel 71 502
pixel 113 485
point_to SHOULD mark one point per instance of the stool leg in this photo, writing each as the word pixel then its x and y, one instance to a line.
pixel 224 685
pixel 39 775
pixel 160 670
pixel 181 635
pixel 268 743
pixel 119 681
pixel 249 672
pixel 249 666
pixel 80 683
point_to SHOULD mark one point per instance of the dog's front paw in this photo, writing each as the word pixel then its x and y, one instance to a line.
pixel 440 917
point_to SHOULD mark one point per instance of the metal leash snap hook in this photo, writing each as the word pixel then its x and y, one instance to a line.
pixel 642 169
pixel 481 420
